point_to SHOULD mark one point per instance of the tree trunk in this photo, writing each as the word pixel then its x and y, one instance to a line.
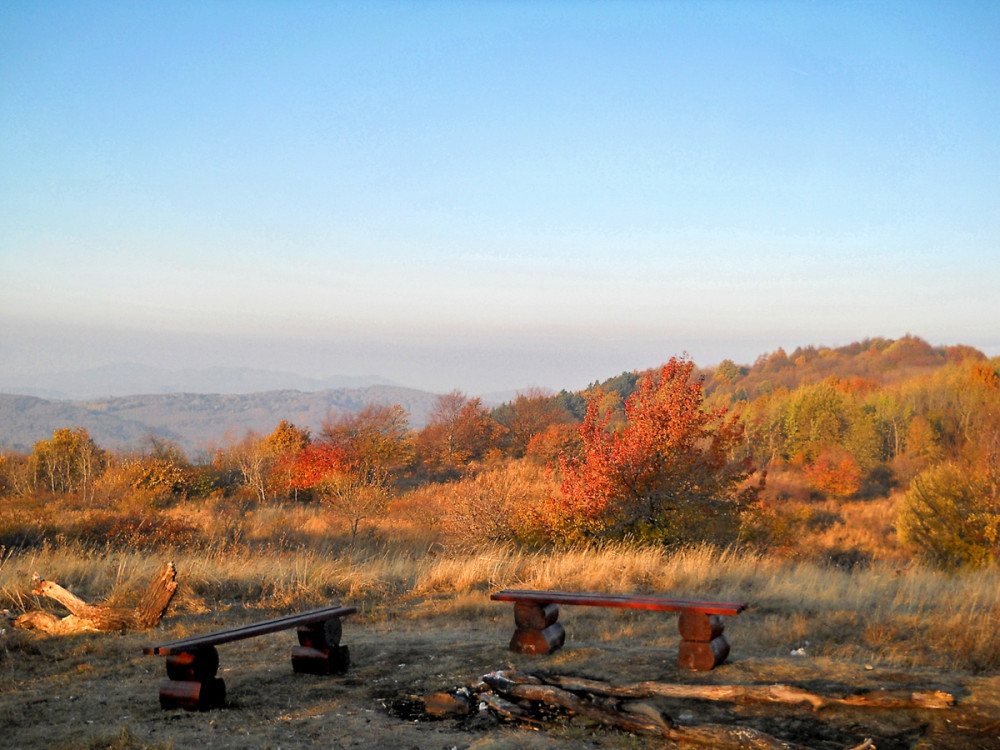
pixel 86 617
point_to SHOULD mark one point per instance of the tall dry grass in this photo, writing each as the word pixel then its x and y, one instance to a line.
pixel 286 557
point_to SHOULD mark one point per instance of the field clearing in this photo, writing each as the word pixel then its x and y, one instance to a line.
pixel 425 624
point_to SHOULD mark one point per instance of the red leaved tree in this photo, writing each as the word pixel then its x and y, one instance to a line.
pixel 675 472
pixel 365 451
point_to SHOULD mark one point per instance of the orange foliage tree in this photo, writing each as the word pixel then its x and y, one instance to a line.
pixel 675 472
pixel 459 430
pixel 363 453
pixel 834 472
pixel 286 444
pixel 528 415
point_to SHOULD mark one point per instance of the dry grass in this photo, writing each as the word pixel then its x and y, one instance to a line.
pixel 839 591
pixel 286 557
pixel 876 613
pixel 425 623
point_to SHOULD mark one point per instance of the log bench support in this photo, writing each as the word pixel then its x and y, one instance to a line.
pixel 191 681
pixel 703 643
pixel 193 663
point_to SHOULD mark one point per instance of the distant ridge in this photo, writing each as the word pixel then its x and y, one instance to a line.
pixel 128 378
pixel 195 421
pixel 199 419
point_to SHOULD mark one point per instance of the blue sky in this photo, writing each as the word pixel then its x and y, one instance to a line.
pixel 493 195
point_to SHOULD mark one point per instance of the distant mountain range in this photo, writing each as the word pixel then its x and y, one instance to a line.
pixel 195 421
pixel 128 378
pixel 121 404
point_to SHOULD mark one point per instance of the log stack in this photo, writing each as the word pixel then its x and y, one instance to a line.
pixel 537 630
pixel 703 645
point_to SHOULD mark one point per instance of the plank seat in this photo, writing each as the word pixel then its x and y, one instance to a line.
pixel 193 662
pixel 703 644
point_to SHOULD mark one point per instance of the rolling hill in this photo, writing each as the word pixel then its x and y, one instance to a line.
pixel 195 421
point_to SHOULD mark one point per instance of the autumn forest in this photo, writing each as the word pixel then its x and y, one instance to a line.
pixel 880 450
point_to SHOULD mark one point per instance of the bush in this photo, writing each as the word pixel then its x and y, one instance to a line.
pixel 499 505
pixel 949 517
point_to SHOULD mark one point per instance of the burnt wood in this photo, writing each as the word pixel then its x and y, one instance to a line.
pixel 703 645
pixel 192 663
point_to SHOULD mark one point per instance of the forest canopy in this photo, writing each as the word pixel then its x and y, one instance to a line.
pixel 733 454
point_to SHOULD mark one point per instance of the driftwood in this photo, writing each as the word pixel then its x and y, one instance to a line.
pixel 86 617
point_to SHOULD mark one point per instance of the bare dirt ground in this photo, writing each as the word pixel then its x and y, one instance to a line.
pixel 100 691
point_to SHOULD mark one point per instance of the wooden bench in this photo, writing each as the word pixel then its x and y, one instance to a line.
pixel 703 645
pixel 192 663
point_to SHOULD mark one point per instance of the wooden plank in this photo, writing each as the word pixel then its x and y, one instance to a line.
pixel 248 631
pixel 621 601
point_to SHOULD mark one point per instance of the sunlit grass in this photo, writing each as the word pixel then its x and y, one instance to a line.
pixel 287 557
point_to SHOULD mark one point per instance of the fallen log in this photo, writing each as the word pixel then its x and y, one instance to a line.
pixel 513 692
pixel 86 617
pixel 643 720
pixel 933 699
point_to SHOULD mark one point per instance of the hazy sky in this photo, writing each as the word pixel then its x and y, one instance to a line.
pixel 493 195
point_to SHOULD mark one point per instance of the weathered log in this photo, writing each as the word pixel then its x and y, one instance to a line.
pixel 529 641
pixel 639 718
pixel 708 735
pixel 47 622
pixel 755 694
pixel 86 617
pixel 936 699
pixel 702 657
pixel 156 599
pixel 511 711
pixel 697 626
pixel 553 696
pixel 535 616
pixel 192 694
